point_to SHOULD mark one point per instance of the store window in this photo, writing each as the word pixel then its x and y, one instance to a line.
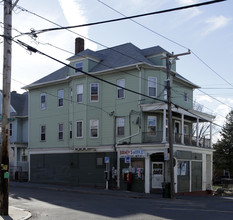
pixel 183 168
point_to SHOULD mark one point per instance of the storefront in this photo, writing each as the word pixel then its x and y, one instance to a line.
pixel 132 170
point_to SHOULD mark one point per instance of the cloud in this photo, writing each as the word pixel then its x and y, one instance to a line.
pixel 74 13
pixel 192 12
pixel 215 23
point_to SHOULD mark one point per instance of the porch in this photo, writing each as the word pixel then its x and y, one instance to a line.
pixel 184 133
pixel 189 140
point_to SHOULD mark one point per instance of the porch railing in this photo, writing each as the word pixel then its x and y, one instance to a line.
pixel 157 137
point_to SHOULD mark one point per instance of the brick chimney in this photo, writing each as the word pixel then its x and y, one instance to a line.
pixel 79 45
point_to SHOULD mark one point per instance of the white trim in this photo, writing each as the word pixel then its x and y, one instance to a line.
pixel 151 81
pixel 120 88
pixel 77 129
pixel 97 92
pixel 97 128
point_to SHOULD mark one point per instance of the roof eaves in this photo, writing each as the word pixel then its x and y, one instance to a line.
pixel 37 85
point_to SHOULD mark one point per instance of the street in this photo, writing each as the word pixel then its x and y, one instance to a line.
pixel 59 204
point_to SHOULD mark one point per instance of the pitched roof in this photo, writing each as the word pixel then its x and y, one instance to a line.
pixel 110 58
pixel 20 103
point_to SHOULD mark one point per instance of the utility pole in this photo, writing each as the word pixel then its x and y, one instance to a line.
pixel 170 127
pixel 4 191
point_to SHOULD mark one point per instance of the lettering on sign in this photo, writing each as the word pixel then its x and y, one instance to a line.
pixel 132 153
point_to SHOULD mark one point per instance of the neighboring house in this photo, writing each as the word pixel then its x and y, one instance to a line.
pixel 82 126
pixel 18 131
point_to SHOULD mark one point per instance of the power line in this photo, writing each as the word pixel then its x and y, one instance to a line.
pixel 23 9
pixel 34 50
pixel 127 18
pixel 168 40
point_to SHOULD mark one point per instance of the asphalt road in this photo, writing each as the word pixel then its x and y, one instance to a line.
pixel 66 205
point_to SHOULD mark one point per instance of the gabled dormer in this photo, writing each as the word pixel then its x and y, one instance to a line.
pixel 84 60
pixel 157 56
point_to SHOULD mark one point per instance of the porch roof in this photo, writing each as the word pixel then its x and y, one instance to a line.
pixel 203 117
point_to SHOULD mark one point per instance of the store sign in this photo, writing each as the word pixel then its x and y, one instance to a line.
pixel 132 153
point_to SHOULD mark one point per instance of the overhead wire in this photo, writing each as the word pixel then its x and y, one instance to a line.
pixel 34 50
pixel 129 17
pixel 74 32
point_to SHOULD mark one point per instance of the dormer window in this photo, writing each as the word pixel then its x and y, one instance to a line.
pixel 78 67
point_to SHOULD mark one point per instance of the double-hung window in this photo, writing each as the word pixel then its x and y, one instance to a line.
pixel 120 126
pixel 120 90
pixel 60 97
pixel 79 93
pixel 42 101
pixel 94 87
pixel 152 86
pixel 79 129
pixel 78 67
pixel 60 131
pixel 42 133
pixel 94 128
pixel 71 130
pixel 151 125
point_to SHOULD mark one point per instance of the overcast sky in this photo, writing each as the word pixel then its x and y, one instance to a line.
pixel 206 30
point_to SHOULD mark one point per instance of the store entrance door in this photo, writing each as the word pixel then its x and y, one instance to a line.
pixel 157 174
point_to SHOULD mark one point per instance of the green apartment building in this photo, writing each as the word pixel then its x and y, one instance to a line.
pixel 108 112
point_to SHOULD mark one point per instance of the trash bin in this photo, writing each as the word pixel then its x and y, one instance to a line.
pixel 166 190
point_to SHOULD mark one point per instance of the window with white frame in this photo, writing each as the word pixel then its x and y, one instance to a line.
pixel 185 96
pixel 43 133
pixel 60 131
pixel 94 92
pixel 79 129
pixel 60 97
pixel 78 67
pixel 152 86
pixel 120 126
pixel 42 101
pixel 120 90
pixel 94 128
pixel 151 125
pixel 80 93
pixel 70 130
pixel 11 129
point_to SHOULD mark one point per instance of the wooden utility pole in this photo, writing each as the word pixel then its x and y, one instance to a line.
pixel 170 127
pixel 4 191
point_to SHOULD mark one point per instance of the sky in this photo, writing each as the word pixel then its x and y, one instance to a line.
pixel 207 31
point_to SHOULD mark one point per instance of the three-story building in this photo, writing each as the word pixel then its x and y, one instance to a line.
pixel 107 111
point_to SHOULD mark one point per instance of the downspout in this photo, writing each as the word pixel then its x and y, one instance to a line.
pixel 140 84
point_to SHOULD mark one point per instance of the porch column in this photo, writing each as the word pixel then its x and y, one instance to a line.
pixel 211 135
pixel 147 174
pixel 164 125
pixel 182 128
pixel 197 132
pixel 203 172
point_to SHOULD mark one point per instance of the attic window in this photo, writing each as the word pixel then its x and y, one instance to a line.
pixel 78 67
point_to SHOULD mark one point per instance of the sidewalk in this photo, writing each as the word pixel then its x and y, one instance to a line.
pixel 16 214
